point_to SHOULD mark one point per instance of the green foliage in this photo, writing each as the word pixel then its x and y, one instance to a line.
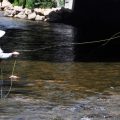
pixel 37 3
pixel 47 3
pixel 30 3
pixel 11 1
pixel 21 2
pixel 61 2
pixel 16 2
pixel 34 3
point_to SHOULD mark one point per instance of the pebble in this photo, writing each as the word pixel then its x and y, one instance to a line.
pixel 85 118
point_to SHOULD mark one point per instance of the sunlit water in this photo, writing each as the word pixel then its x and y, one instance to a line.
pixel 47 69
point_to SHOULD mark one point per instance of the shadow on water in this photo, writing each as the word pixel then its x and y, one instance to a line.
pixel 97 52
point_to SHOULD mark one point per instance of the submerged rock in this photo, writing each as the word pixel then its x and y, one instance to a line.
pixel 85 118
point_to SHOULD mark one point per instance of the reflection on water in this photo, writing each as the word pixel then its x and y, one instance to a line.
pixel 50 80
pixel 46 65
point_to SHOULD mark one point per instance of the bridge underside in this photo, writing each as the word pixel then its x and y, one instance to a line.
pixel 97 19
pixel 105 11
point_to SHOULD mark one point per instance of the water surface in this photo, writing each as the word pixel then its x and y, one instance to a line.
pixel 50 73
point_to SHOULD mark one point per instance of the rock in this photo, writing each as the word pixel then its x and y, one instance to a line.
pixel 38 10
pixel 38 17
pixel 18 8
pixel 54 17
pixel 9 13
pixel 27 11
pixel 21 15
pixel 42 11
pixel 47 11
pixel 59 15
pixel 85 118
pixel 32 16
pixel 6 3
pixel 13 12
pixel 8 8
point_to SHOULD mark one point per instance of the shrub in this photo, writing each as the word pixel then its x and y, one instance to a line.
pixel 16 2
pixel 30 3
pixel 47 4
pixel 61 2
pixel 11 1
pixel 35 3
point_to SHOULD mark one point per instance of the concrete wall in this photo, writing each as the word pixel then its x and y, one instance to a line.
pixel 69 4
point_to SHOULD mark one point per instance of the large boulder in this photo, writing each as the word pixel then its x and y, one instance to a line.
pixel 38 17
pixel 9 13
pixel 18 8
pixel 53 17
pixel 28 11
pixel 6 3
pixel 21 15
pixel 32 16
pixel 59 15
pixel 38 11
pixel 47 11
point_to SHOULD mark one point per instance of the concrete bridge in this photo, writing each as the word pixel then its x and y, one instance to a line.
pixel 69 4
pixel 104 11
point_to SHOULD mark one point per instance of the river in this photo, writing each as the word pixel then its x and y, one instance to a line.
pixel 53 77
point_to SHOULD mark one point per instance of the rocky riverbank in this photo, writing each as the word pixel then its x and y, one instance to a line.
pixel 36 14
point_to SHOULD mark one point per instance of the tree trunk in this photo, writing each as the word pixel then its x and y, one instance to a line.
pixel 24 4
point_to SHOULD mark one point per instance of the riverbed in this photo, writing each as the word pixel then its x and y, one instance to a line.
pixel 54 83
